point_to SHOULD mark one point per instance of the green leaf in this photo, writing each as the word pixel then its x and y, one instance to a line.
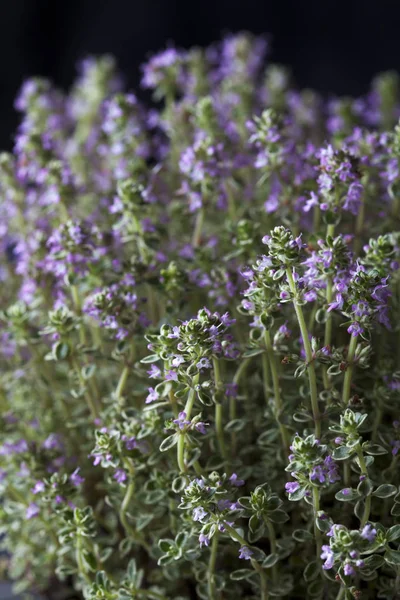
pixel 298 494
pixel 61 350
pixel 278 516
pixel 90 560
pixel 150 359
pixel 392 557
pixel 393 533
pixel 365 487
pixel 302 535
pixel 242 574
pixel 254 523
pixel 270 561
pixel 235 425
pixel 169 442
pixel 395 510
pixel 375 449
pixel 165 545
pixel 312 571
pixel 373 562
pixel 385 491
pixel 88 371
pixel 342 452
pixel 347 495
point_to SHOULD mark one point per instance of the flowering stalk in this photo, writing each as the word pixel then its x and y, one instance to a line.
pixel 181 439
pixel 276 387
pixel 218 411
pixel 309 355
pixel 349 370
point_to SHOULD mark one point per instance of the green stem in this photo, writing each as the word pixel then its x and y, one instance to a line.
pixel 328 328
pixel 349 371
pixel 218 411
pixel 78 308
pixel 277 392
pixel 181 440
pixel 341 593
pixel 90 401
pixel 317 533
pixel 309 355
pixel 198 226
pixel 79 561
pixel 122 382
pixel 359 227
pixel 211 567
pixel 364 471
pixel 232 401
pixel 272 543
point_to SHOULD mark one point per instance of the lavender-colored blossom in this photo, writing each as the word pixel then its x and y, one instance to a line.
pixel 75 478
pixel 235 481
pixel 120 475
pixel 204 540
pixel 199 513
pixel 328 556
pixel 368 533
pixel 32 511
pixel 245 553
pixel 292 486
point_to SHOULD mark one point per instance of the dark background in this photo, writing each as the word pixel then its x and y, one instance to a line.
pixel 333 46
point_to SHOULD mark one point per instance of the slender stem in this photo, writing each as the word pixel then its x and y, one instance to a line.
pixel 198 226
pixel 359 227
pixel 328 322
pixel 309 355
pixel 181 440
pixel 218 411
pixel 341 593
pixel 272 543
pixel 78 308
pixel 364 471
pixel 232 401
pixel 79 561
pixel 211 567
pixel 220 430
pixel 130 490
pixel 122 382
pixel 277 392
pixel 90 401
pixel 349 371
pixel 317 533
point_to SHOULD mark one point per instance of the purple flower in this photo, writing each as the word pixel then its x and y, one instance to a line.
pixel 204 540
pixel 245 553
pixel 152 395
pixel 203 363
pixel 38 487
pixel 154 372
pixel 32 511
pixel 292 486
pixel 199 513
pixel 235 481
pixel 75 478
pixel 201 427
pixel 348 569
pixel 181 420
pixel 355 329
pixel 328 556
pixel 120 475
pixel 368 533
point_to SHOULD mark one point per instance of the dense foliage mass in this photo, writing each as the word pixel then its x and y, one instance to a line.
pixel 200 357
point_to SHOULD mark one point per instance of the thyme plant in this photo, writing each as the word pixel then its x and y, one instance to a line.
pixel 200 327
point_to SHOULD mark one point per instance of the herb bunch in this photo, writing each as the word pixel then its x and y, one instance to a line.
pixel 200 311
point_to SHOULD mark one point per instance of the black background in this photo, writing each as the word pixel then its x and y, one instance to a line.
pixel 331 45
